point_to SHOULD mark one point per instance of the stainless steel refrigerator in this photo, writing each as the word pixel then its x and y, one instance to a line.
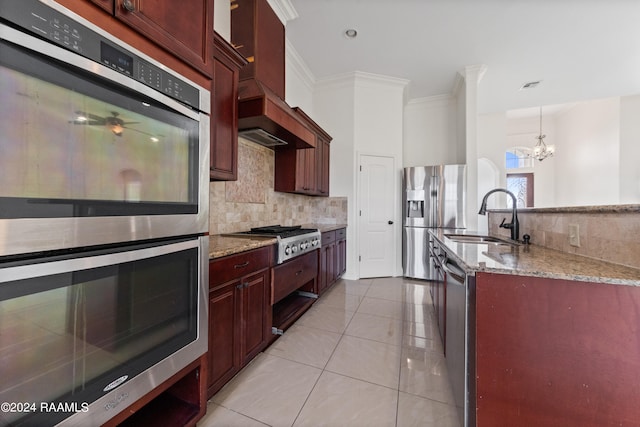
pixel 433 197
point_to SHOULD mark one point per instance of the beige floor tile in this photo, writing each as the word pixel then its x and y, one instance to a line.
pixel 302 344
pixel 327 318
pixel 419 313
pixel 377 328
pixel 352 287
pixel 416 343
pixel 383 290
pixel 381 307
pixel 424 373
pixel 337 299
pixel 341 401
pixel 366 360
pixel 217 416
pixel 415 411
pixel 417 294
pixel 422 330
pixel 271 390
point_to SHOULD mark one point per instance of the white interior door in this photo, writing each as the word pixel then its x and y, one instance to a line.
pixel 376 196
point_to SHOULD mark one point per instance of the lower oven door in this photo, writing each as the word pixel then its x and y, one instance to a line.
pixel 83 336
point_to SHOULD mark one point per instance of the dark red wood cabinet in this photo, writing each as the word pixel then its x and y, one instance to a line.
pixel 227 63
pixel 333 258
pixel 184 28
pixel 304 171
pixel 239 313
pixel 258 34
pixel 556 352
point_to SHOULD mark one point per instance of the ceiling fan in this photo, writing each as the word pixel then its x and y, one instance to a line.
pixel 113 122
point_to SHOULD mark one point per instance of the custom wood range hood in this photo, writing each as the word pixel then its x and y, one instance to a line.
pixel 263 115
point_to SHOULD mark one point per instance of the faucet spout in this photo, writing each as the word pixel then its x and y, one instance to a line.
pixel 514 225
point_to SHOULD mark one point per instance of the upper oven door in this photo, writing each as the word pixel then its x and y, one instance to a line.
pixel 90 155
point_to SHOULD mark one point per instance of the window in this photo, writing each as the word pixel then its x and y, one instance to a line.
pixel 521 185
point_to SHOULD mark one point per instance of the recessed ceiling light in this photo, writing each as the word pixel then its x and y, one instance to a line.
pixel 351 33
pixel 530 85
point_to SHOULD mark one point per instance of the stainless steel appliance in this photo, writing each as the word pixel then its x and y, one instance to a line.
pixel 433 197
pixel 294 287
pixel 100 143
pixel 293 241
pixel 94 331
pixel 103 214
pixel 459 340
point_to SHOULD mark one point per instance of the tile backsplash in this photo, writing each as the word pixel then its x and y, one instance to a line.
pixel 608 233
pixel 251 201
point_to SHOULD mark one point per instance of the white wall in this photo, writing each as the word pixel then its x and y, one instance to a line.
pixel 587 154
pixel 430 131
pixel 629 149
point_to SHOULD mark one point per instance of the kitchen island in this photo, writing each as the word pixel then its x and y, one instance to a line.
pixel 551 339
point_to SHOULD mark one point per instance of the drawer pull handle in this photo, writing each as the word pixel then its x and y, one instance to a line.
pixel 129 5
pixel 298 272
pixel 243 265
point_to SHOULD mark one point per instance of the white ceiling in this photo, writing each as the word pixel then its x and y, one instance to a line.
pixel 580 49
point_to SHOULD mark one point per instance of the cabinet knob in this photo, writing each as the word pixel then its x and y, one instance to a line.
pixel 129 5
pixel 390 222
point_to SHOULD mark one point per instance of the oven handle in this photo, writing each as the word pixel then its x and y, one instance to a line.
pixel 89 260
pixel 454 270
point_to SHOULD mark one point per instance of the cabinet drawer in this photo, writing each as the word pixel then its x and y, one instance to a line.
pixel 341 234
pixel 293 274
pixel 235 266
pixel 328 237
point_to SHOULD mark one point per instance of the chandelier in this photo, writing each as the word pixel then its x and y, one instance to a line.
pixel 541 150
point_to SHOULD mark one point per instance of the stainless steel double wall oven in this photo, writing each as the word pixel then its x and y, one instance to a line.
pixel 103 218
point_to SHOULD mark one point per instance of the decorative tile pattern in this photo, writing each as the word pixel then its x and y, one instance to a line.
pixel 607 233
pixel 252 202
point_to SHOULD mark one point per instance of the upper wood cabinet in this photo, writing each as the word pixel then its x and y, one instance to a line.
pixel 184 28
pixel 227 63
pixel 304 171
pixel 258 34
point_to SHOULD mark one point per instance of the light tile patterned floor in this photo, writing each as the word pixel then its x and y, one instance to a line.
pixel 366 354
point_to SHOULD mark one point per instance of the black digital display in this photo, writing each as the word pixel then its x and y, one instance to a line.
pixel 114 58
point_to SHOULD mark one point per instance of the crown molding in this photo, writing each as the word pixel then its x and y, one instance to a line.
pixel 284 10
pixel 295 62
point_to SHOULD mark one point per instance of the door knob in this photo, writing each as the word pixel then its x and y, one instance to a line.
pixel 390 222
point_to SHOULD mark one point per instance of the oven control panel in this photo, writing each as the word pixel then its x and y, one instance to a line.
pixel 291 247
pixel 56 27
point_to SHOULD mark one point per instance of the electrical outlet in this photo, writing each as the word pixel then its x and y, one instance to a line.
pixel 574 235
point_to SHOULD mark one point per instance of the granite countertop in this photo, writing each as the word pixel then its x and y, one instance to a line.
pixel 220 245
pixel 533 260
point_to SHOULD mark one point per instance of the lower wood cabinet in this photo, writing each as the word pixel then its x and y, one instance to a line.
pixel 333 258
pixel 239 313
pixel 554 352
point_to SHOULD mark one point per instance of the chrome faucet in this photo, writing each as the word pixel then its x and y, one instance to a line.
pixel 514 225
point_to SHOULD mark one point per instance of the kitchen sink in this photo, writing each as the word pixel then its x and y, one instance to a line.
pixel 473 238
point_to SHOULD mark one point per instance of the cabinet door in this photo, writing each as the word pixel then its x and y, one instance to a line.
pixel 105 4
pixel 322 166
pixel 342 257
pixel 224 327
pixel 184 28
pixel 306 171
pixel 224 112
pixel 255 321
pixel 325 257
